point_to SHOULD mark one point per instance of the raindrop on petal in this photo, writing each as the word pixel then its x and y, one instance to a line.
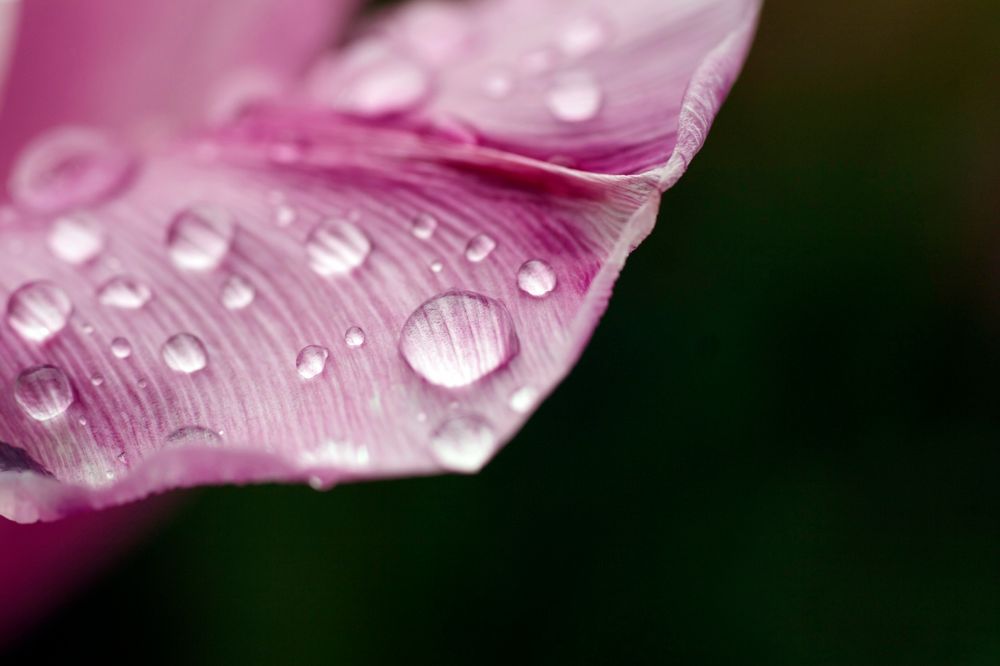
pixel 457 338
pixel 575 97
pixel 69 167
pixel 536 278
pixel 583 36
pixel 76 238
pixel 124 292
pixel 237 293
pixel 480 247
pixel 121 348
pixel 355 337
pixel 463 443
pixel 194 435
pixel 311 361
pixel 199 237
pixel 336 247
pixel 185 353
pixel 43 392
pixel 524 399
pixel 38 310
pixel 423 226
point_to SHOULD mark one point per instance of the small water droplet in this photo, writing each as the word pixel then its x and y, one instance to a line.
pixel 185 353
pixel 336 247
pixel 288 150
pixel 498 85
pixel 87 328
pixel 536 278
pixel 436 266
pixel 76 238
pixel 538 61
pixel 423 226
pixel 524 399
pixel 575 97
pixel 382 83
pixel 199 237
pixel 193 434
pixel 68 167
pixel 311 361
pixel 421 417
pixel 97 379
pixel 480 247
pixel 284 215
pixel 121 348
pixel 355 337
pixel 237 293
pixel 124 292
pixel 457 338
pixel 583 36
pixel 38 310
pixel 463 443
pixel 43 392
pixel 142 383
pixel 82 421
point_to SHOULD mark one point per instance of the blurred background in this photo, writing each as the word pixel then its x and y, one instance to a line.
pixel 781 447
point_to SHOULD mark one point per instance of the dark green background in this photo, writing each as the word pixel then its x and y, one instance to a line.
pixel 782 446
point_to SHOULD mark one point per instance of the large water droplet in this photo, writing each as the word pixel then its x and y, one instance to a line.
pixel 336 247
pixel 69 167
pixel 43 392
pixel 575 97
pixel 380 83
pixel 355 337
pixel 38 310
pixel 184 352
pixel 457 338
pixel 121 348
pixel 311 361
pixel 237 293
pixel 192 434
pixel 583 36
pixel 480 247
pixel 536 278
pixel 76 238
pixel 199 237
pixel 423 226
pixel 124 292
pixel 463 443
pixel 14 459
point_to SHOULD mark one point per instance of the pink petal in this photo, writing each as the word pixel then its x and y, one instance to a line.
pixel 610 87
pixel 144 65
pixel 247 263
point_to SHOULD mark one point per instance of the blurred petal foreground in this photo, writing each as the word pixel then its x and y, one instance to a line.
pixel 220 265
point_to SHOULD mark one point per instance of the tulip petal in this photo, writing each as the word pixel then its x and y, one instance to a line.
pixel 611 87
pixel 146 66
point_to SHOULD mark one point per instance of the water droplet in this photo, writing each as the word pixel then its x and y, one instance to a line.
pixel 538 61
pixel 423 226
pixel 14 459
pixel 379 83
pixel 355 337
pixel 184 352
pixel 524 399
pixel 284 215
pixel 121 348
pixel 336 247
pixel 87 328
pixel 194 435
pixel 498 85
pixel 575 97
pixel 536 278
pixel 82 421
pixel 480 247
pixel 43 392
pixel 76 239
pixel 142 383
pixel 97 379
pixel 38 310
pixel 68 167
pixel 237 293
pixel 311 361
pixel 124 292
pixel 457 338
pixel 583 36
pixel 463 443
pixel 199 237
pixel 436 266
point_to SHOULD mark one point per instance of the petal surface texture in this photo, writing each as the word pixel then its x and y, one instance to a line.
pixel 145 66
pixel 380 282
